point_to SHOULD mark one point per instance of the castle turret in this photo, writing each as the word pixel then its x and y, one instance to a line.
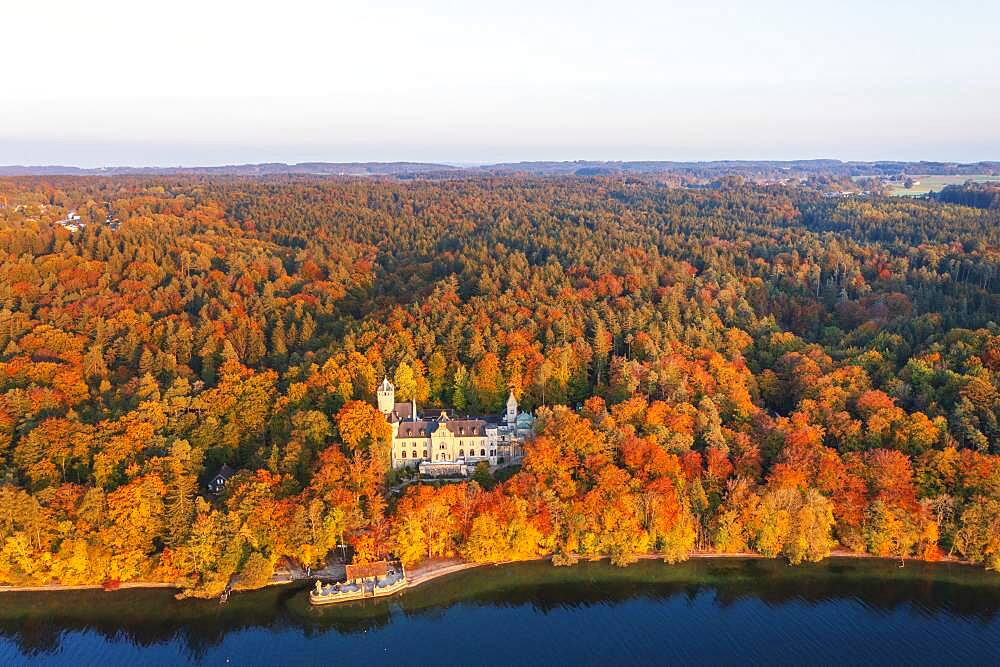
pixel 511 415
pixel 386 397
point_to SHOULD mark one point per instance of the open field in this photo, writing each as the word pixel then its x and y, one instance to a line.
pixel 935 184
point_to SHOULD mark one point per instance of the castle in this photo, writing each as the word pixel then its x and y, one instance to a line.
pixel 440 444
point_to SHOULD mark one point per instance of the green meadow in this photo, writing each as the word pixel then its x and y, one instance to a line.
pixel 924 184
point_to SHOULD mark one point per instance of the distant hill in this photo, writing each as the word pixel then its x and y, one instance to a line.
pixel 709 169
pixel 264 169
pixel 979 195
pixel 712 169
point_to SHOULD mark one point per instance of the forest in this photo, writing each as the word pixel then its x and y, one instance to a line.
pixel 729 366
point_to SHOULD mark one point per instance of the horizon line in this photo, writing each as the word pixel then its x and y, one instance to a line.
pixel 466 164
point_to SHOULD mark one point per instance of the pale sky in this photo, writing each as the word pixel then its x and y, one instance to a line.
pixel 204 82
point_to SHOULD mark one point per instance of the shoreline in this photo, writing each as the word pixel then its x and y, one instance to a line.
pixel 87 587
pixel 430 571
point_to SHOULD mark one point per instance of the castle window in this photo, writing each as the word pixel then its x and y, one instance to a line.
pixel 482 452
pixel 404 455
pixel 461 453
pixel 493 452
pixel 425 453
pixel 414 454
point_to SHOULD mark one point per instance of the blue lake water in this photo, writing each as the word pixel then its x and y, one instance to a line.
pixel 714 611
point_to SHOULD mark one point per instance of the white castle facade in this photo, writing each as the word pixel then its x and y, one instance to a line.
pixel 437 441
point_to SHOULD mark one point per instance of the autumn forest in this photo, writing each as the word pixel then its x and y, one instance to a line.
pixel 728 366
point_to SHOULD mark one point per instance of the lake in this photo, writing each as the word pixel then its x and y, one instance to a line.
pixel 712 610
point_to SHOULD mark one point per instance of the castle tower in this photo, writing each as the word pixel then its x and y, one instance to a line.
pixel 511 415
pixel 386 396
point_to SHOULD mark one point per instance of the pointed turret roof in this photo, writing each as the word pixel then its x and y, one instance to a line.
pixel 511 401
pixel 386 385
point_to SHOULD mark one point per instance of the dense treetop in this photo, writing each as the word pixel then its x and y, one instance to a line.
pixel 746 367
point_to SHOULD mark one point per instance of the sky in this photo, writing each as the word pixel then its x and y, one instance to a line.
pixel 207 82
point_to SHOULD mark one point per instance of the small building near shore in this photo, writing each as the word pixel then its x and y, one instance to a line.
pixel 368 580
pixel 218 483
pixel 367 570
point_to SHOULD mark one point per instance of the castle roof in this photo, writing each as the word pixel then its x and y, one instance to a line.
pixel 403 411
pixel 386 385
pixel 461 427
pixel 415 429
